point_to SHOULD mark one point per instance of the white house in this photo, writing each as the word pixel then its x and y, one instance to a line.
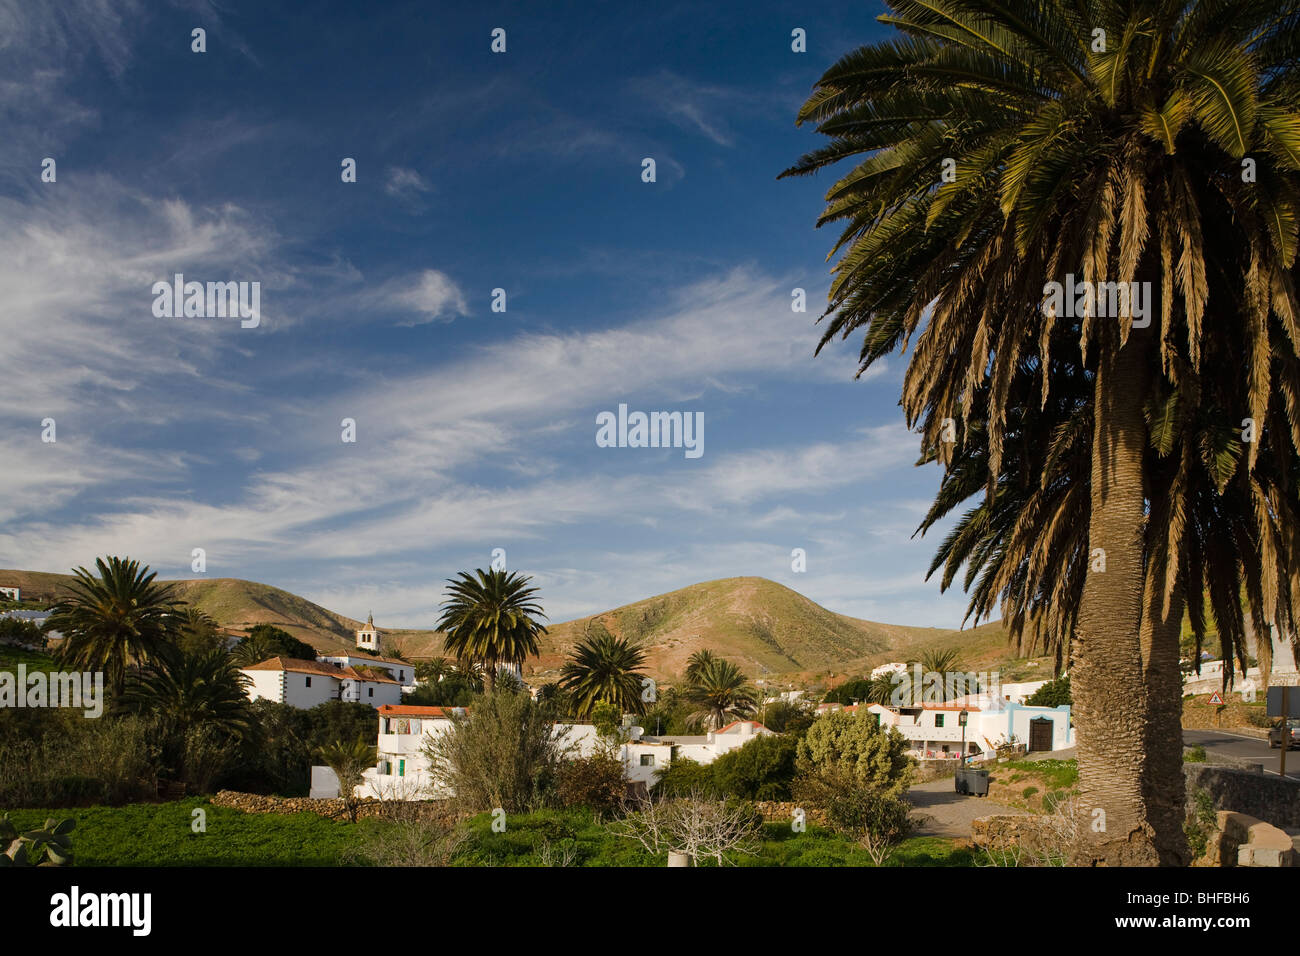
pixel 300 683
pixel 935 732
pixel 1019 692
pixel 402 769
pixel 11 594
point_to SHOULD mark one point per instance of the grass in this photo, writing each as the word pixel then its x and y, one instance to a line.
pixel 591 844
pixel 162 835
pixel 1056 774
pixel 11 657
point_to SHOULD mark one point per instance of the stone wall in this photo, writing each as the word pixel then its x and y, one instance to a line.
pixel 332 809
pixel 1263 795
pixel 781 811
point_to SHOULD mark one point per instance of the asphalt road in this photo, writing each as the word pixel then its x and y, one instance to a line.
pixel 1255 749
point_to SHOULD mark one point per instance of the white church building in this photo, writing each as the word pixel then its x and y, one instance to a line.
pixel 362 678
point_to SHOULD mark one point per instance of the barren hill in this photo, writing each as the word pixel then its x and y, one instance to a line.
pixel 765 627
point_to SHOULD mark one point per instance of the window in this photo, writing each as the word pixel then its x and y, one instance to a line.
pixel 308 682
pixel 647 760
pixel 401 768
pixel 370 692
pixel 938 720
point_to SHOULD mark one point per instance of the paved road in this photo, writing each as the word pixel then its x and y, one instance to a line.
pixel 946 813
pixel 1228 743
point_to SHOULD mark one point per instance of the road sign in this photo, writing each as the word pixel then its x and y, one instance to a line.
pixel 1215 698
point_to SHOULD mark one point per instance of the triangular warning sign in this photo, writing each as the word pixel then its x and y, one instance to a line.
pixel 1215 698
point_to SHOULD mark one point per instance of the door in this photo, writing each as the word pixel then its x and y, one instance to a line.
pixel 1040 734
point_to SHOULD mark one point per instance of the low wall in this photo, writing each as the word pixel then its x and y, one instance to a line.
pixel 331 809
pixel 1263 795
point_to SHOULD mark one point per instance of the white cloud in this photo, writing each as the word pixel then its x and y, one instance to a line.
pixel 406 184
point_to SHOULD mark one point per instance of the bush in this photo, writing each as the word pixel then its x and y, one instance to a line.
pixel 877 819
pixel 857 689
pixel 1029 792
pixel 685 777
pixel 762 769
pixel 503 754
pixel 1052 694
pixel 74 762
pixel 1194 754
pixel 597 782
pixel 841 746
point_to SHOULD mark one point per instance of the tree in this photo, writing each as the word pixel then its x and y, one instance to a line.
pixel 698 662
pixel 697 826
pixel 187 690
pixel 786 717
pixel 18 631
pixel 1052 694
pixel 491 619
pixel 503 754
pixel 265 641
pixel 433 670
pixel 198 632
pixel 604 669
pixel 719 690
pixel 850 692
pixel 114 620
pixel 762 769
pixel 349 762
pixel 1105 141
pixel 841 746
pixel 598 782
pixel 876 820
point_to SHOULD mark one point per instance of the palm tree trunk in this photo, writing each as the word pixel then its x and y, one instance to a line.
pixel 1107 683
pixel 1165 786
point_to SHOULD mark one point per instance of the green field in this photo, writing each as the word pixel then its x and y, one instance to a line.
pixel 161 835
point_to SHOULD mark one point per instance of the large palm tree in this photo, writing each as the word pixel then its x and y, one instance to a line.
pixel 114 619
pixel 1009 145
pixel 719 690
pixel 491 617
pixel 604 669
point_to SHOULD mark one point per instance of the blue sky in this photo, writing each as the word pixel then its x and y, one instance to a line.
pixel 475 429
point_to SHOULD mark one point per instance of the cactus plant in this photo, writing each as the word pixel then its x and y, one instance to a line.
pixel 49 846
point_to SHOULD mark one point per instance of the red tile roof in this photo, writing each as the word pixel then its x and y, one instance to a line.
pixel 756 724
pixel 298 666
pixel 412 710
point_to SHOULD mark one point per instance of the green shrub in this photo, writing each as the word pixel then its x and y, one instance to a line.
pixel 762 769
pixel 1029 792
pixel 597 782
pixel 1194 754
pixel 502 754
pixel 685 777
pixel 1200 822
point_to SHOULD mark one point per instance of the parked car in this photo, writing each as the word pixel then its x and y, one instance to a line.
pixel 1275 735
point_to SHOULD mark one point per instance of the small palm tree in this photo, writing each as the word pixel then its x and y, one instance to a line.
pixel 433 670
pixel 187 690
pixel 491 617
pixel 114 620
pixel 604 669
pixel 253 650
pixel 349 762
pixel 719 690
pixel 698 661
